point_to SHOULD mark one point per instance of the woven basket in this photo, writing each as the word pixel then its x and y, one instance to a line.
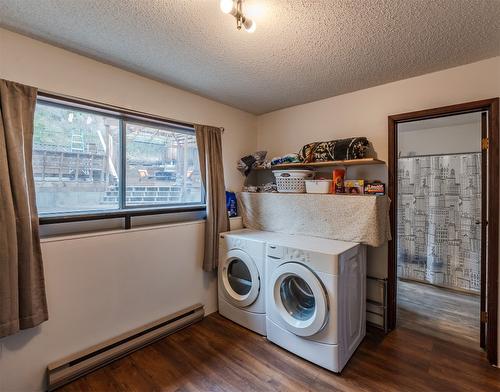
pixel 292 181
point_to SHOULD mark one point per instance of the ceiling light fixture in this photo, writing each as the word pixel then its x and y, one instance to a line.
pixel 234 7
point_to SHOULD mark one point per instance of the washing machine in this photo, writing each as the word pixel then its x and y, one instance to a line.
pixel 241 278
pixel 316 298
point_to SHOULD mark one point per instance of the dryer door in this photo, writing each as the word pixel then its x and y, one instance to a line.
pixel 240 278
pixel 299 299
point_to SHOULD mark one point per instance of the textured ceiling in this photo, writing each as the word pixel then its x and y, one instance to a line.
pixel 302 50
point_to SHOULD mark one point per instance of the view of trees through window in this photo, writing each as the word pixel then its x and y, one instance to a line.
pixel 77 162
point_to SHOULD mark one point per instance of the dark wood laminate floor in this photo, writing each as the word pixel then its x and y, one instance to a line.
pixel 218 355
pixel 445 314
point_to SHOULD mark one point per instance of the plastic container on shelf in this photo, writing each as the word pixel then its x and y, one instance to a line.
pixel 318 186
pixel 292 181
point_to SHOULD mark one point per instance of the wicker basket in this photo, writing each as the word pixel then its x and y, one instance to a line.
pixel 292 181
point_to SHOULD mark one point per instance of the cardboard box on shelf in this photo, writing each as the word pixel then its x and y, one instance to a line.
pixel 356 187
pixel 375 188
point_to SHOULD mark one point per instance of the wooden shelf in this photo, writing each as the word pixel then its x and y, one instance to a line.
pixel 350 162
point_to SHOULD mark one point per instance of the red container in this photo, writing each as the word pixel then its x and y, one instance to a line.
pixel 338 181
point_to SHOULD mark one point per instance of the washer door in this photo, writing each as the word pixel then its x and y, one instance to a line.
pixel 240 278
pixel 299 299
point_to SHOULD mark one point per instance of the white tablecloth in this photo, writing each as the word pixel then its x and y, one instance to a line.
pixel 363 219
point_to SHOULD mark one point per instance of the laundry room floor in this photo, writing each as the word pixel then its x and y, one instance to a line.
pixel 446 314
pixel 218 355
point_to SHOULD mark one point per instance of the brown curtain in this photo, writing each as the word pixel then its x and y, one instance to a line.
pixel 22 288
pixel 209 142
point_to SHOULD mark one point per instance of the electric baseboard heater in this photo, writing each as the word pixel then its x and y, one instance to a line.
pixel 74 366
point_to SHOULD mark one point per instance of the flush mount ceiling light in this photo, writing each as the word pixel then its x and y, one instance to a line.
pixel 234 7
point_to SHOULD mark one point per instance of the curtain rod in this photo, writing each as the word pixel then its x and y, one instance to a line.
pixel 50 94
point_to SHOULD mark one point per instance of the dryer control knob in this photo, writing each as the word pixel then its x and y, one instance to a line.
pixel 296 254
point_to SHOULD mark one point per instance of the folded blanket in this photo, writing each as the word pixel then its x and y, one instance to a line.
pixel 288 158
pixel 335 150
pixel 249 162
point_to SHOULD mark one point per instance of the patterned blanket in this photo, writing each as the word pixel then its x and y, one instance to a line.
pixel 335 150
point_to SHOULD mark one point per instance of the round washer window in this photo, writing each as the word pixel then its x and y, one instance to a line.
pixel 297 298
pixel 238 276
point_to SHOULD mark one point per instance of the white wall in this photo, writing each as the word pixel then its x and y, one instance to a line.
pixel 365 112
pixel 56 70
pixel 444 140
pixel 100 286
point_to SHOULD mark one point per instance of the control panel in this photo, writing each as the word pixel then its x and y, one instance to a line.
pixel 229 242
pixel 288 254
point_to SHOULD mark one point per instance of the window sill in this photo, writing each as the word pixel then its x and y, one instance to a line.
pixel 126 219
pixel 235 224
pixel 69 237
pixel 124 213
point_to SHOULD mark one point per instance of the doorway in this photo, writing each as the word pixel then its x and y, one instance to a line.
pixel 443 259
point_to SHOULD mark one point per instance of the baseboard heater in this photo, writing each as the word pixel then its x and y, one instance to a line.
pixel 74 366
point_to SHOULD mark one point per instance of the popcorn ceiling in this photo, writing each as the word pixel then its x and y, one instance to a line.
pixel 302 51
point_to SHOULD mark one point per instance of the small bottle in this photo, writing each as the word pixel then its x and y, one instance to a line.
pixel 338 181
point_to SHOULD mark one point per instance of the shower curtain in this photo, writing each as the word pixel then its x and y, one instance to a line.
pixel 439 215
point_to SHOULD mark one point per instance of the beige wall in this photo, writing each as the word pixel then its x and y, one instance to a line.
pixel 364 113
pixel 104 289
pixel 102 285
pixel 56 70
pixel 444 140
pixel 99 286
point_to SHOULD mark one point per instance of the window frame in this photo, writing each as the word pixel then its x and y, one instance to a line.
pixel 123 116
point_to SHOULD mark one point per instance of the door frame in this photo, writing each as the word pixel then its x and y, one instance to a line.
pixel 491 107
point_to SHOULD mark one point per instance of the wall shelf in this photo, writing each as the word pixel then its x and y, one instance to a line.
pixel 350 162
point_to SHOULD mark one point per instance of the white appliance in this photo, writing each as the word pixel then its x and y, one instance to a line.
pixel 315 298
pixel 241 278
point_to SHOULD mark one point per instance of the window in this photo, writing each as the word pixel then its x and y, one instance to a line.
pixel 76 161
pixel 162 166
pixel 89 160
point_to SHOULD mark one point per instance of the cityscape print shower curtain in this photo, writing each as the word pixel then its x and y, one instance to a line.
pixel 439 215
